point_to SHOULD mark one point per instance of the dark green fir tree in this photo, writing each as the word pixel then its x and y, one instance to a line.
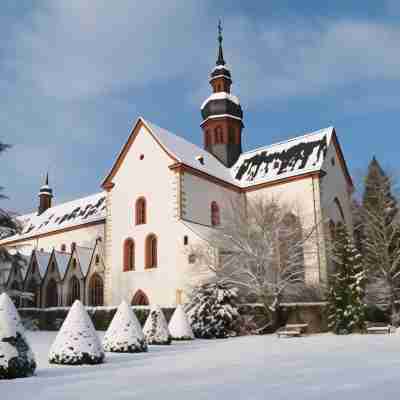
pixel 346 308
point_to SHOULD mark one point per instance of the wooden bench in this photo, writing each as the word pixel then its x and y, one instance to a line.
pixel 292 330
pixel 383 329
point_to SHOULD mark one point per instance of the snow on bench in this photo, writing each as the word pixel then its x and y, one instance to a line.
pixel 292 330
pixel 379 329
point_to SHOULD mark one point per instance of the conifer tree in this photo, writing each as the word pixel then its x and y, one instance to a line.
pixel 381 238
pixel 8 227
pixel 346 308
pixel 213 311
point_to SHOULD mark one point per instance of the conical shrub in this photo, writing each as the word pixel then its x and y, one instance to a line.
pixel 179 325
pixel 124 334
pixel 77 341
pixel 16 357
pixel 156 328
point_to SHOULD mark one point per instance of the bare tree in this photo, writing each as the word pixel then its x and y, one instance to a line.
pixel 259 248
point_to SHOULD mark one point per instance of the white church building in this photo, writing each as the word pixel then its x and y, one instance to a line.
pixel 164 194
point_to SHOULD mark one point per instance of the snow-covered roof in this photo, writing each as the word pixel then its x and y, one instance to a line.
pixel 80 211
pixel 281 160
pixel 84 256
pixel 221 96
pixel 62 259
pixel 188 153
pixel 42 258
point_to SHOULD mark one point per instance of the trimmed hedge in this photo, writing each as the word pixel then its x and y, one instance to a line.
pixel 50 319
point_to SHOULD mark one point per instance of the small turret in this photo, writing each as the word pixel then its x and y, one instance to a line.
pixel 45 196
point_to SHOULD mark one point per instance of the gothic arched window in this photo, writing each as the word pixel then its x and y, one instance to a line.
pixel 215 215
pixel 96 290
pixel 140 299
pixel 74 292
pixel 231 133
pixel 52 294
pixel 129 255
pixel 151 251
pixel 140 211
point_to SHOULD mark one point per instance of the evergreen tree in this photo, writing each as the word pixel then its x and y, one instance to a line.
pixel 8 227
pixel 381 238
pixel 213 311
pixel 346 309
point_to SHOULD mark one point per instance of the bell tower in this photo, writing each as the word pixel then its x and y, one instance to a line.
pixel 222 114
pixel 45 196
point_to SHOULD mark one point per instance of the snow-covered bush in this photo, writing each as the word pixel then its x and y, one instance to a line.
pixel 124 334
pixel 213 311
pixel 16 357
pixel 156 328
pixel 179 325
pixel 77 341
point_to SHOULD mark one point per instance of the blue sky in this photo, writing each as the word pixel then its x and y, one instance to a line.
pixel 76 74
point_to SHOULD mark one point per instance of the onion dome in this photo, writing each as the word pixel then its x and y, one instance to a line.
pixel 221 104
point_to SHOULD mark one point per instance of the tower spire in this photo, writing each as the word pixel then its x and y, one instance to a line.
pixel 220 59
pixel 45 196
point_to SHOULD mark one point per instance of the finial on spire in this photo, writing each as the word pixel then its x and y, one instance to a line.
pixel 47 179
pixel 220 60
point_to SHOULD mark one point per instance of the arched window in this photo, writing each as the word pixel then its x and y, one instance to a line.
pixel 140 299
pixel 96 290
pixel 219 138
pixel 207 138
pixel 97 260
pixel 140 211
pixel 231 133
pixel 34 289
pixel 74 290
pixel 129 255
pixel 339 206
pixel 63 247
pixel 215 216
pixel 151 251
pixel 74 263
pixel 52 294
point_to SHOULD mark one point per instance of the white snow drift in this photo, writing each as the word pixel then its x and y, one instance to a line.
pixel 124 334
pixel 156 329
pixel 77 341
pixel 179 325
pixel 16 357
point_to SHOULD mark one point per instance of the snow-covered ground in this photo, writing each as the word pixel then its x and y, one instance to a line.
pixel 255 367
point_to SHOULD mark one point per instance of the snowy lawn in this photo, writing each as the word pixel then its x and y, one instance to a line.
pixel 255 367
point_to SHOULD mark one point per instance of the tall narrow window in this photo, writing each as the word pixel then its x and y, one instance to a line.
pixel 129 255
pixel 207 138
pixel 140 211
pixel 215 216
pixel 219 138
pixel 74 290
pixel 52 294
pixel 151 251
pixel 96 290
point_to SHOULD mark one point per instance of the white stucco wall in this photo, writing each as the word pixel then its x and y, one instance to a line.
pixel 152 179
pixel 197 196
pixel 334 185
